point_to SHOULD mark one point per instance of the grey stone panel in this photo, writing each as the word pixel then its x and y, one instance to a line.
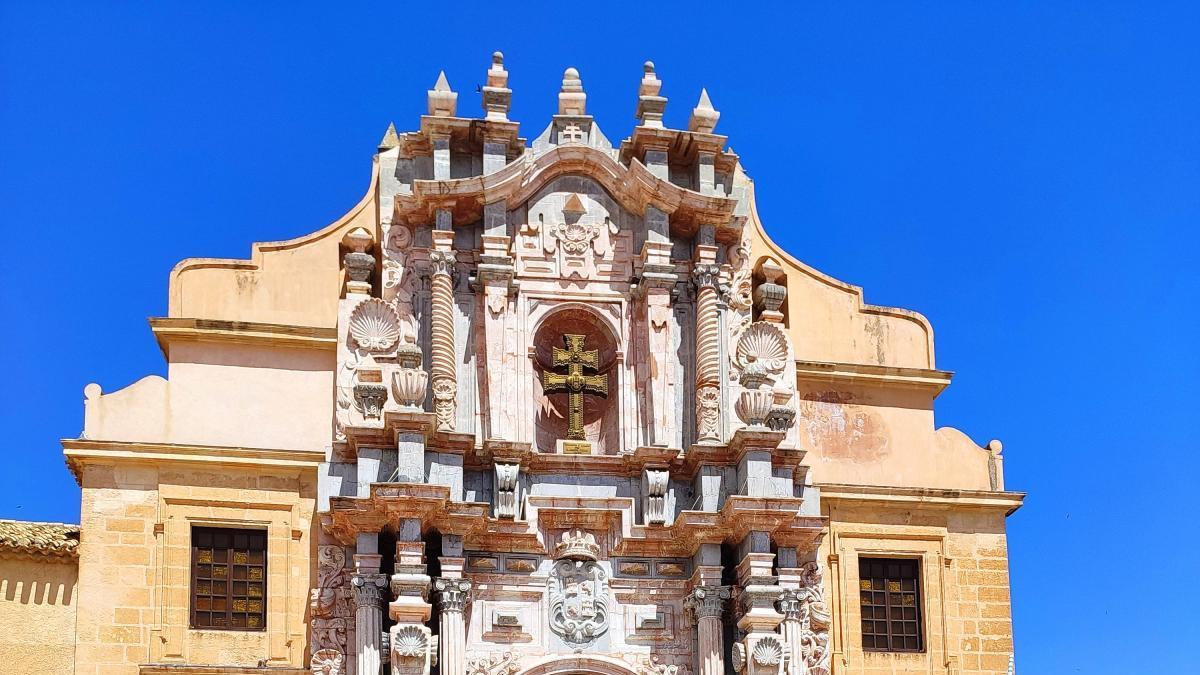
pixel 410 458
pixel 478 486
pixel 558 485
pixel 336 479
pixel 445 469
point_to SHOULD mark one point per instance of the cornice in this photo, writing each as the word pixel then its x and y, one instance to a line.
pixel 78 451
pixel 168 330
pixel 863 373
pixel 633 186
pixel 910 497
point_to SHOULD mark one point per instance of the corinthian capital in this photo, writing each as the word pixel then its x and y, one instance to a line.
pixel 368 589
pixel 706 275
pixel 791 603
pixel 707 601
pixel 442 262
pixel 452 594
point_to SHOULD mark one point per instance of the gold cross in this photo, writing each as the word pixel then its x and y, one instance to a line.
pixel 574 382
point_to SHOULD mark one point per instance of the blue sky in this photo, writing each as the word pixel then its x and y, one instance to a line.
pixel 1027 175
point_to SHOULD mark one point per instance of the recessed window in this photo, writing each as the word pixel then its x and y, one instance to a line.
pixel 229 578
pixel 890 599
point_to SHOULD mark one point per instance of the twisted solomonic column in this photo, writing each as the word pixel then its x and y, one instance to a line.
pixel 708 367
pixel 368 622
pixel 452 596
pixel 707 605
pixel 445 382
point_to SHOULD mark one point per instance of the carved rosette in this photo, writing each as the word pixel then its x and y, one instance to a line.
pixel 576 237
pixel 707 602
pixel 445 385
pixel 452 595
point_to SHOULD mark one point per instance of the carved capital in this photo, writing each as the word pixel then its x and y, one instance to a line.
pixel 442 262
pixel 706 275
pixel 790 604
pixel 707 601
pixel 369 589
pixel 452 595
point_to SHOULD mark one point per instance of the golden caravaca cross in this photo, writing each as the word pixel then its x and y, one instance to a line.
pixel 574 382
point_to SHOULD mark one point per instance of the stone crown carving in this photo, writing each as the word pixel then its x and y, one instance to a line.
pixel 577 545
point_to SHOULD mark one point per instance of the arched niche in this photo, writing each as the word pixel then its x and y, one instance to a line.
pixel 600 414
pixel 579 665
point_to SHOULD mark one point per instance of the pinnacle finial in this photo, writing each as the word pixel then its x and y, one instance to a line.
pixel 390 138
pixel 704 116
pixel 442 101
pixel 571 99
pixel 496 95
pixel 650 106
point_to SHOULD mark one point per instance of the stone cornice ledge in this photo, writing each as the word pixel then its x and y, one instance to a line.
pixel 183 669
pixel 921 378
pixel 914 496
pixel 168 330
pixel 77 451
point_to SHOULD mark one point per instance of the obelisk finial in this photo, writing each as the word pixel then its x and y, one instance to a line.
pixel 704 116
pixel 442 101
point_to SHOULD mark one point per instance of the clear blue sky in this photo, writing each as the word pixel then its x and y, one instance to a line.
pixel 1027 175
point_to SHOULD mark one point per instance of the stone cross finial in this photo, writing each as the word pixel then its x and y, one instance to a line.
pixel 572 100
pixel 496 95
pixel 704 116
pixel 650 105
pixel 442 101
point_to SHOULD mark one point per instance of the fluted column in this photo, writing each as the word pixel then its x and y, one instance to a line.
pixel 708 368
pixel 707 605
pixel 442 367
pixel 452 596
pixel 368 621
pixel 792 630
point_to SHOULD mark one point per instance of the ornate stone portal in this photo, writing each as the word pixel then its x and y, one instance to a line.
pixel 574 297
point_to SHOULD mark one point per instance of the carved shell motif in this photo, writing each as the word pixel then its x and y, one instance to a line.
pixel 410 642
pixel 762 347
pixel 768 652
pixel 374 325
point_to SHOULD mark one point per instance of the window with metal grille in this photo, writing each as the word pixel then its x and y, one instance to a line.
pixel 229 578
pixel 890 600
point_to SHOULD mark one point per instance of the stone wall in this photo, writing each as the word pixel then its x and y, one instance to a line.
pixel 135 557
pixel 37 613
pixel 966 609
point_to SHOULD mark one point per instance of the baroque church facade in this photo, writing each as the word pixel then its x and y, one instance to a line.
pixel 536 408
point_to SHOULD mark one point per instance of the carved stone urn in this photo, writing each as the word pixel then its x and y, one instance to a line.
pixel 754 403
pixel 409 382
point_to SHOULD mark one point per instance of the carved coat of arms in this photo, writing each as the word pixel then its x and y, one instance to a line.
pixel 578 601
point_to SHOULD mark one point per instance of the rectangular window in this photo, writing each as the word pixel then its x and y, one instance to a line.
pixel 890 599
pixel 229 578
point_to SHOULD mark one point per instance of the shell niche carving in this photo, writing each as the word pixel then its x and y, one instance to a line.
pixel 768 652
pixel 410 642
pixel 374 325
pixel 762 349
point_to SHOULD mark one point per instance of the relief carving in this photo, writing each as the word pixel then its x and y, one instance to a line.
pixel 814 620
pixel 842 429
pixel 578 591
pixel 501 663
pixel 332 611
